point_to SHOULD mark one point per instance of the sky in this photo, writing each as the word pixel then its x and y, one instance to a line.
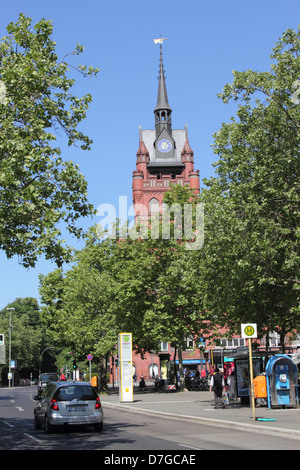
pixel 206 41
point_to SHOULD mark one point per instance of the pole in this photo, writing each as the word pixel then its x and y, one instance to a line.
pixel 251 379
pixel 9 355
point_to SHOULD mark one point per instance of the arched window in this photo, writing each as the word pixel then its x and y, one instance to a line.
pixel 153 206
pixel 153 372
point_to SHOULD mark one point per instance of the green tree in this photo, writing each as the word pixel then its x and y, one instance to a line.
pixel 27 336
pixel 250 261
pixel 39 191
pixel 141 284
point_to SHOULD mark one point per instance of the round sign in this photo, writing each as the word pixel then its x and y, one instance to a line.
pixel 249 330
pixel 89 357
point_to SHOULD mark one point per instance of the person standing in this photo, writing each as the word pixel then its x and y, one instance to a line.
pixel 217 386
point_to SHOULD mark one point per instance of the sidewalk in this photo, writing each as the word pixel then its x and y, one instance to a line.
pixel 199 406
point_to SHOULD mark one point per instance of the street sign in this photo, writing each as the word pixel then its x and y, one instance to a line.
pixel 249 330
pixel 89 358
pixel 126 371
pixel 2 354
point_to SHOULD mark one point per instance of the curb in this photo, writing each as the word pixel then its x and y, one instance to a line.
pixel 257 428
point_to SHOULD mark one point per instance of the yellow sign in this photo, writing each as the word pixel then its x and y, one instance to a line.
pixel 249 331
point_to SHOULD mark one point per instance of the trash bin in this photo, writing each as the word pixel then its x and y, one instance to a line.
pixel 260 386
pixel 94 381
pixel 260 390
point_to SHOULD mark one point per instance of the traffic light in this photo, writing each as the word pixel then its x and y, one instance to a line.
pixel 74 364
pixel 1 339
pixel 117 361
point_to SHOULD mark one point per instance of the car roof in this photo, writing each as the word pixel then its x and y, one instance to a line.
pixel 48 373
pixel 65 383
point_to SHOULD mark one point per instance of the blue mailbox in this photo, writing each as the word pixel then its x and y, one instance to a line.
pixel 282 376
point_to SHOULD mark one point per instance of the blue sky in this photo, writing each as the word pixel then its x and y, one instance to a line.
pixel 206 41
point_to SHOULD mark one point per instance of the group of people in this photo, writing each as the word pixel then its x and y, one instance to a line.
pixel 222 383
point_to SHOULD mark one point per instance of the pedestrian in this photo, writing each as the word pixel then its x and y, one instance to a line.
pixel 62 377
pixel 217 386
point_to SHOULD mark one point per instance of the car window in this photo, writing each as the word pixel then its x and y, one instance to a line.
pixel 73 392
pixel 48 377
pixel 48 390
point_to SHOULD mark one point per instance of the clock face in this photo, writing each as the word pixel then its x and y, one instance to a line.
pixel 164 145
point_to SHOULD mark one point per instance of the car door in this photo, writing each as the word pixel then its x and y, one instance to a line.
pixel 43 404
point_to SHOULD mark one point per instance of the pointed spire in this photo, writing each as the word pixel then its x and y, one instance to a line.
pixel 162 96
pixel 163 110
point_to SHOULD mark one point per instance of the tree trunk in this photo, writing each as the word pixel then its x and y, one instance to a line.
pixel 102 374
pixel 182 384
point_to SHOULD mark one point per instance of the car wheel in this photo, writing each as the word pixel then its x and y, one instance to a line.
pixel 36 424
pixel 98 427
pixel 48 426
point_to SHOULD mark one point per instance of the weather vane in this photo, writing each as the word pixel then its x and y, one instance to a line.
pixel 159 41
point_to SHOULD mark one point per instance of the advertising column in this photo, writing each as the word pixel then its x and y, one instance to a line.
pixel 125 367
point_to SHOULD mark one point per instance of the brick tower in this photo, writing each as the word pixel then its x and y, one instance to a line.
pixel 164 156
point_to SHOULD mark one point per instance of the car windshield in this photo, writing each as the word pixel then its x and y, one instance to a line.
pixel 75 392
pixel 48 377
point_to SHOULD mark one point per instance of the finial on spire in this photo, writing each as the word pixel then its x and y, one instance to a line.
pixel 159 40
pixel 163 110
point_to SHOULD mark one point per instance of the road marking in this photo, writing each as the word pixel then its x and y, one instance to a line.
pixel 32 437
pixel 8 424
pixel 19 408
pixel 190 447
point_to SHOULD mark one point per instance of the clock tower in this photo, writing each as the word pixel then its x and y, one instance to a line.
pixel 164 157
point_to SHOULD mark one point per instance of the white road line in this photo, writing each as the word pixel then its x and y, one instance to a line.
pixel 8 424
pixel 19 408
pixel 189 447
pixel 32 437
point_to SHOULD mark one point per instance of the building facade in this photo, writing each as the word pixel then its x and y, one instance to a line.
pixel 164 157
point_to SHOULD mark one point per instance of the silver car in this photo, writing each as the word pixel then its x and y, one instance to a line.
pixel 68 403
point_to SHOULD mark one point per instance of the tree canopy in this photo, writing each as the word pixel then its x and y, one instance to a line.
pixel 39 191
pixel 251 256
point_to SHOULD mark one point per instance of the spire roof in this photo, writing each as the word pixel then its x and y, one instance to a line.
pixel 162 96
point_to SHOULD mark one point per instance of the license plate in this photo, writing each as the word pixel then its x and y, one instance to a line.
pixel 77 408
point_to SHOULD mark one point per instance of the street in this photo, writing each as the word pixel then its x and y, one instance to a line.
pixel 124 432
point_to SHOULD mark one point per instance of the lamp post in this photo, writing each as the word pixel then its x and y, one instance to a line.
pixel 41 358
pixel 9 354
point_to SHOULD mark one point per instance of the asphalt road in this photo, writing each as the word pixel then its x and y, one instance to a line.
pixel 125 433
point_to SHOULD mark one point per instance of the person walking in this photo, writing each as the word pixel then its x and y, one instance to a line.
pixel 217 386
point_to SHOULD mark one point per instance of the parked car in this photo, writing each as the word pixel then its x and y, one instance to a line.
pixel 24 382
pixel 68 403
pixel 44 379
